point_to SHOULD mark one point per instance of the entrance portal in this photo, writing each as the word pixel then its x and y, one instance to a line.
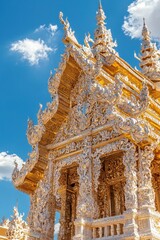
pixel 111 200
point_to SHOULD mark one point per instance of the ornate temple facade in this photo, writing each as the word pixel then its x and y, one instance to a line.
pixel 14 229
pixel 95 149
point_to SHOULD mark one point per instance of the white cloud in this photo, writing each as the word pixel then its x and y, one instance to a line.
pixel 31 50
pixel 56 228
pixel 37 47
pixel 51 29
pixel 7 165
pixel 40 28
pixel 139 9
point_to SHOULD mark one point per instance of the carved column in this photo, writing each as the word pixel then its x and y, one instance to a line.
pixel 130 163
pixel 42 211
pixel 85 204
pixel 146 194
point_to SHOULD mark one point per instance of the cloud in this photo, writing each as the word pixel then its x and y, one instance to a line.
pixel 51 29
pixel 38 46
pixel 56 228
pixel 7 165
pixel 139 9
pixel 31 50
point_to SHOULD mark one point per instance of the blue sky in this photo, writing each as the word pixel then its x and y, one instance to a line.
pixel 30 46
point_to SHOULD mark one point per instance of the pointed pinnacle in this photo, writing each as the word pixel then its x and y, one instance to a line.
pixel 145 31
pixel 100 4
pixel 144 22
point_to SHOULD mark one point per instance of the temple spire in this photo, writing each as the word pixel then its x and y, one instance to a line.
pixel 150 56
pixel 100 4
pixel 103 42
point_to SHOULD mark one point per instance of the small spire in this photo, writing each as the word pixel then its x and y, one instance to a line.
pixel 103 42
pixel 144 22
pixel 145 31
pixel 150 57
pixel 100 14
pixel 100 4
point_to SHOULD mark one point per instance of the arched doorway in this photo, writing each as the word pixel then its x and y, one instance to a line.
pixel 110 195
pixel 68 191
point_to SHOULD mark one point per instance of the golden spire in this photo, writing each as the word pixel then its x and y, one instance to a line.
pixel 103 42
pixel 150 56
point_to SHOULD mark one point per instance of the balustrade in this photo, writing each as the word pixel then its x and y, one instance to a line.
pixel 108 227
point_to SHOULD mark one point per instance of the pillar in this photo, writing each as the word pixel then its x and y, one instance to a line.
pixel 85 204
pixel 131 203
pixel 146 194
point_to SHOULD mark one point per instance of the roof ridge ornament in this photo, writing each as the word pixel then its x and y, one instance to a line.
pixel 17 227
pixel 135 107
pixel 150 57
pixel 103 42
pixel 69 33
pixel 34 133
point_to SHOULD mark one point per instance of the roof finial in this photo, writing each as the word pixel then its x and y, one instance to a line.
pixel 103 42
pixel 150 57
pixel 100 4
pixel 69 34
pixel 145 31
pixel 144 22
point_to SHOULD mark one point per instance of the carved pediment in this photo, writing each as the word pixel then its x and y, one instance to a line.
pixel 94 105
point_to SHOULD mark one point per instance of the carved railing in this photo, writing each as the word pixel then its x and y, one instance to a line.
pixel 107 228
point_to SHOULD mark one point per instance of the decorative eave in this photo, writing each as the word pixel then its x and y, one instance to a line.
pixel 74 62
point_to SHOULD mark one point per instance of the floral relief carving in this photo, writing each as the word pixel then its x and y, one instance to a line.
pixel 130 163
pixel 146 193
pixel 94 105
pixel 110 93
pixel 86 205
pixel 135 107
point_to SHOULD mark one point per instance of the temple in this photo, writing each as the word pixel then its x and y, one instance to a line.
pixel 95 148
pixel 14 229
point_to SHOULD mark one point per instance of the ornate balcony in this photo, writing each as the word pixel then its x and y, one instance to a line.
pixel 107 228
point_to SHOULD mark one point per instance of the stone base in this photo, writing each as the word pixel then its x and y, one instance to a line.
pixel 149 224
pixel 130 227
